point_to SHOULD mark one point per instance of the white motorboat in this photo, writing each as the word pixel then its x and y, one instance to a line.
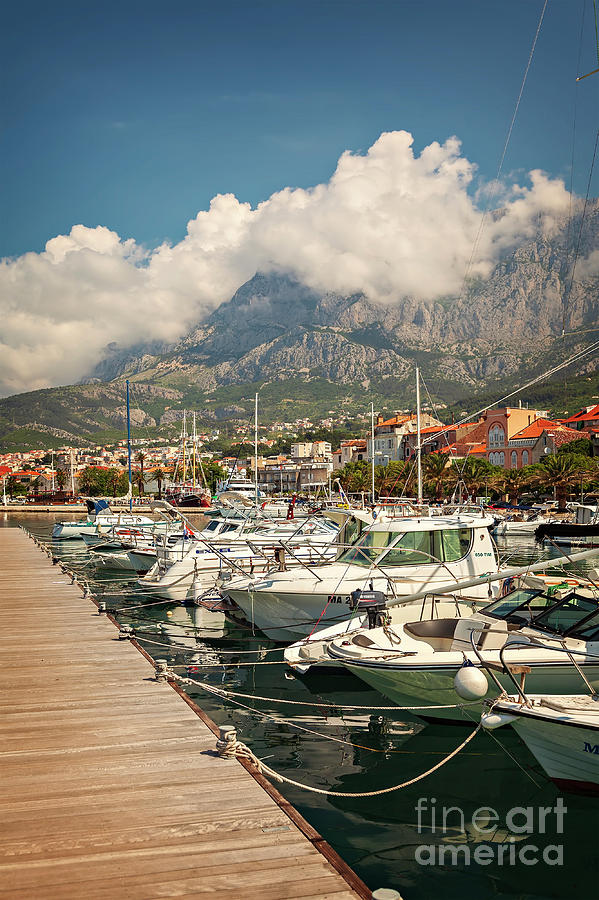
pixel 538 628
pixel 100 516
pixel 399 557
pixel 225 547
pixel 562 733
pixel 238 485
pixel 138 535
pixel 521 526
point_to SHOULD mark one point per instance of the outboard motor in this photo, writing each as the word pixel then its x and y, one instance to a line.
pixel 373 603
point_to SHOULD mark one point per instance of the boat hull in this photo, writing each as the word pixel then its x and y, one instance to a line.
pixel 565 744
pixel 427 687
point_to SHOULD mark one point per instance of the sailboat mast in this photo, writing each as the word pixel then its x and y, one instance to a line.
pixel 418 441
pixel 256 449
pixel 184 438
pixel 372 444
pixel 194 452
pixel 130 493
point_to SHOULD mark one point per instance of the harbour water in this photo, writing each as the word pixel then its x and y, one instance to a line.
pixel 486 825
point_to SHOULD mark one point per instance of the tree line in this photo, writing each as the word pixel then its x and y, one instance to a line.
pixel 444 478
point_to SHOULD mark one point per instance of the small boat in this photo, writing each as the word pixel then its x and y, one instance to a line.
pixel 536 627
pixel 136 561
pixel 524 526
pixel 99 516
pixel 585 528
pixel 198 563
pixel 561 731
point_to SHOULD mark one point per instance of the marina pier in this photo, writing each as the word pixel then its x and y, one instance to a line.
pixel 111 784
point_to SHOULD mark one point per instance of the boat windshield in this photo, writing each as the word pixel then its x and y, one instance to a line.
pixel 572 616
pixel 409 548
pixel 518 606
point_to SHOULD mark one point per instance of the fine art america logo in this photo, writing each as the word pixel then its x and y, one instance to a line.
pixel 484 839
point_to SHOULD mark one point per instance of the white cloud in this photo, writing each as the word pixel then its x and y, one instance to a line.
pixel 388 223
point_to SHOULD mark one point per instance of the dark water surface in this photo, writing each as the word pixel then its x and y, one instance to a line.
pixel 444 850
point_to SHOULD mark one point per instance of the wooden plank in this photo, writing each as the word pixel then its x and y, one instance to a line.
pixel 111 786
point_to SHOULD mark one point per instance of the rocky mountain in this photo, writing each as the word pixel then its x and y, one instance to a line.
pixel 313 346
pixel 274 327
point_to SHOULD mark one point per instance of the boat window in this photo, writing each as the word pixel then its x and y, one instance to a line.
pixel 518 604
pixel 212 526
pixel 456 543
pixel 368 548
pixel 416 547
pixel 350 531
pixel 413 548
pixel 567 615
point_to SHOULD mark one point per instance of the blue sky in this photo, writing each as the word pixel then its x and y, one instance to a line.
pixel 134 115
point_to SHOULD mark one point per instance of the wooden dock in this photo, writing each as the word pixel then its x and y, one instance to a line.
pixel 110 785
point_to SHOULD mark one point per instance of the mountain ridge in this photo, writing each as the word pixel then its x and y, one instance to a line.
pixel 275 329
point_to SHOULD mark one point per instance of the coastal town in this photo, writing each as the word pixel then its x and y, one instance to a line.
pixel 503 438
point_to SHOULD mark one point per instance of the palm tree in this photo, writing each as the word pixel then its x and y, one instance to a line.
pixel 138 479
pixel 139 457
pixel 560 473
pixel 435 473
pixel 159 476
pixel 355 476
pixel 114 479
pixel 473 473
pixel 61 479
pixel 513 482
pixel 389 479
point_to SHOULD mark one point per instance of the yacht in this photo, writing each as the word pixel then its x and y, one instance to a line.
pixel 239 485
pixel 397 557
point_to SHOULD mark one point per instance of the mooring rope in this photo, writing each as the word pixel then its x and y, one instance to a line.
pixel 225 694
pixel 228 747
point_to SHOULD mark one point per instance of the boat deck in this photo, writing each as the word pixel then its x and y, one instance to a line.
pixel 110 784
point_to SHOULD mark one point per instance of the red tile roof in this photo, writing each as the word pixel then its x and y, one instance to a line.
pixel 536 429
pixel 585 414
pixel 396 420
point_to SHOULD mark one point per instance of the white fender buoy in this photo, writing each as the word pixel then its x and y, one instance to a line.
pixel 470 683
pixel 491 721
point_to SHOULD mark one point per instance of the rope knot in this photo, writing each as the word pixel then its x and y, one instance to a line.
pixel 228 747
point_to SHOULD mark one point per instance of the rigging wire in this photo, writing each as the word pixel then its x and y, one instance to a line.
pixel 495 184
pixel 554 369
